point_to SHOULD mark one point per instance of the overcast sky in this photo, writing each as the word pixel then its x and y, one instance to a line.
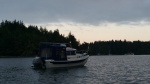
pixel 88 20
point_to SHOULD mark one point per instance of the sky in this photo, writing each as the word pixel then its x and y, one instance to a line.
pixel 87 20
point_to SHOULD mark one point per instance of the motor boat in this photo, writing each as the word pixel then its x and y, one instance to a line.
pixel 56 55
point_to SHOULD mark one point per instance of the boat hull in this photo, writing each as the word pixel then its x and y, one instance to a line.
pixel 61 64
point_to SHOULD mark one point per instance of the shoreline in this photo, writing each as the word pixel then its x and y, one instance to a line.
pixel 16 56
pixel 35 56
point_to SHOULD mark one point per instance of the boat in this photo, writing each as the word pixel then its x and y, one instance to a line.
pixel 129 53
pixel 56 55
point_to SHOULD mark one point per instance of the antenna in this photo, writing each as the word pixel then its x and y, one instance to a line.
pixel 70 44
pixel 88 49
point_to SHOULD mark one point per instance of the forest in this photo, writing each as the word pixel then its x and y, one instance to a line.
pixel 18 40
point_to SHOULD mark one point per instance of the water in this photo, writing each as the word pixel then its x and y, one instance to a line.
pixel 98 70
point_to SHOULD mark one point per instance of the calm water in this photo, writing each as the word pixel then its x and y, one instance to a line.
pixel 98 70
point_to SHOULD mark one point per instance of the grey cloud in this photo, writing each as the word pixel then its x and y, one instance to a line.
pixel 79 11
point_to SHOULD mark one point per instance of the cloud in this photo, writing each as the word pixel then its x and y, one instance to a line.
pixel 86 11
pixel 105 32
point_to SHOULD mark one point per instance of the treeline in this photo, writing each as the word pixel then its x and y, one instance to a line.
pixel 18 40
pixel 118 47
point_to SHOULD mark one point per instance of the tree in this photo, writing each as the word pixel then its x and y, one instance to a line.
pixel 73 40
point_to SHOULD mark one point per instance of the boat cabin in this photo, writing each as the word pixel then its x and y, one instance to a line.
pixel 55 51
pixel 70 51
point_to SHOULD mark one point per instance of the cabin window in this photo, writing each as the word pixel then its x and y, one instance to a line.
pixel 68 52
pixel 60 54
pixel 46 53
pixel 71 53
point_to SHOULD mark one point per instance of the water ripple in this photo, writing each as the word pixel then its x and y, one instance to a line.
pixel 98 70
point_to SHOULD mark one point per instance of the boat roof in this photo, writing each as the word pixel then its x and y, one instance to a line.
pixel 48 44
pixel 70 49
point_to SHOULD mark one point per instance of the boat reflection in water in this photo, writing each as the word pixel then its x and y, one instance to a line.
pixel 55 55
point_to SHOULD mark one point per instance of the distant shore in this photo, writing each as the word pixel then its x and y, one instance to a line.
pixel 16 56
pixel 35 56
